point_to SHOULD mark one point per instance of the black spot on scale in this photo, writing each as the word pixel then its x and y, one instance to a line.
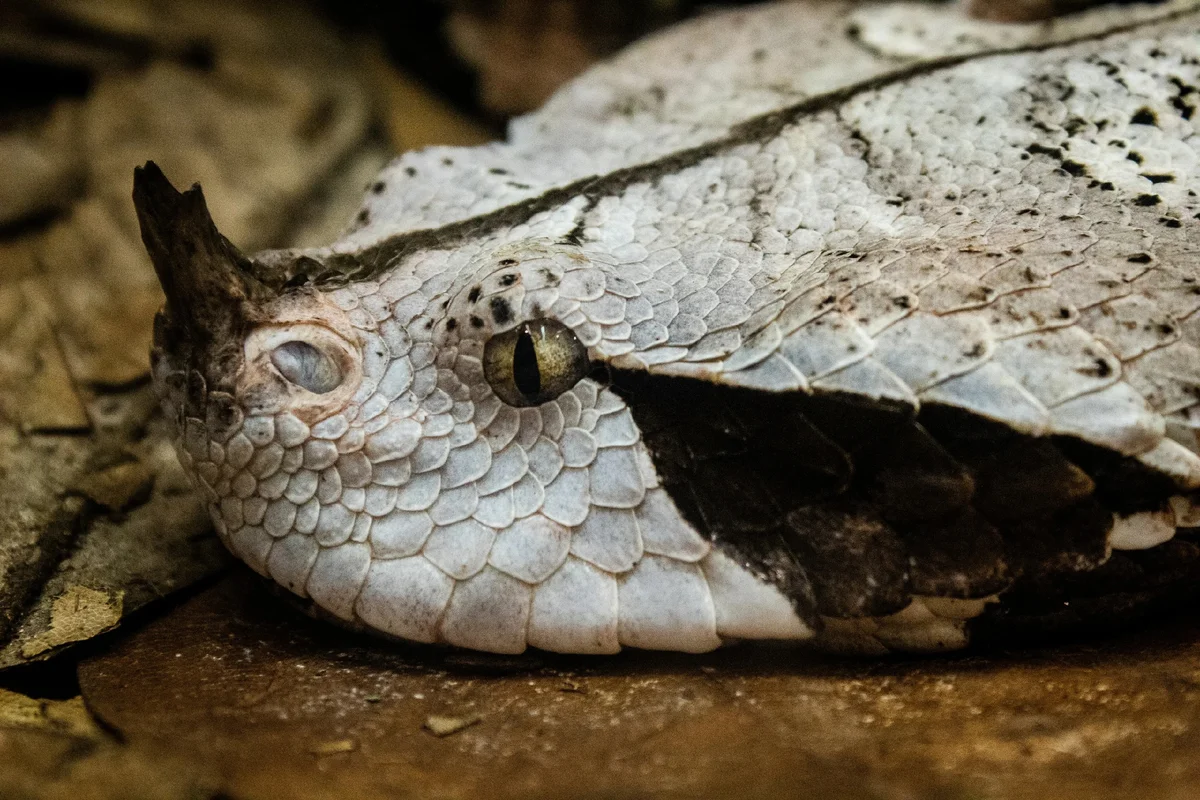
pixel 508 280
pixel 1100 369
pixel 1158 178
pixel 1186 111
pixel 473 295
pixel 476 322
pixel 1074 168
pixel 1139 258
pixel 1144 116
pixel 501 310
pixel 410 172
pixel 1075 124
pixel 363 217
pixel 1147 200
pixel 507 262
pixel 378 187
pixel 451 324
pixel 1039 149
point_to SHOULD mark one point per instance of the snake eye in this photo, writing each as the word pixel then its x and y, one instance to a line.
pixel 534 362
pixel 307 367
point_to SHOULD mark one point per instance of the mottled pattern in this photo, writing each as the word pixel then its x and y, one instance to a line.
pixel 688 86
pixel 1011 235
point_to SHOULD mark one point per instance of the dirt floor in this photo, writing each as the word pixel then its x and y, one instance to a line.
pixel 234 694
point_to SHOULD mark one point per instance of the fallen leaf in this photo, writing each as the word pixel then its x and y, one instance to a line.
pixel 36 389
pixel 43 172
pixel 52 538
pixel 119 486
pixel 79 613
pixel 68 717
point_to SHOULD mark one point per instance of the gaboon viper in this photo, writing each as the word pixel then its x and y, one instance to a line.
pixel 874 326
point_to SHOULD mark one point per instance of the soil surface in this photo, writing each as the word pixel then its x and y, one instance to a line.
pixel 242 685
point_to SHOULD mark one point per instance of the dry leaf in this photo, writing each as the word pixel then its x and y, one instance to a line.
pixel 118 486
pixel 68 717
pixel 51 539
pixel 36 389
pixel 80 613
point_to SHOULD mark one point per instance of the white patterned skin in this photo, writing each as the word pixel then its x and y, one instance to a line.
pixel 1012 234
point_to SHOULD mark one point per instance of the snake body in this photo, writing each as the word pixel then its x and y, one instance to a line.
pixel 737 339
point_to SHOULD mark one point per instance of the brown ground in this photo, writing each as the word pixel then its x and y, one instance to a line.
pixel 258 702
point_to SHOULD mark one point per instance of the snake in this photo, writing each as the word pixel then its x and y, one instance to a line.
pixel 869 327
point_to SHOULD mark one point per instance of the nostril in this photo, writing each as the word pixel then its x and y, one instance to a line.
pixel 307 367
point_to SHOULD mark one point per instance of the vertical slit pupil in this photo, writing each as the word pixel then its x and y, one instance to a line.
pixel 525 366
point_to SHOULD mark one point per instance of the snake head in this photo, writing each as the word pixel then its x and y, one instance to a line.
pixel 429 452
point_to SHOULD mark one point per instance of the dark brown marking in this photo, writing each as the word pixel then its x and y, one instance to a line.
pixel 501 310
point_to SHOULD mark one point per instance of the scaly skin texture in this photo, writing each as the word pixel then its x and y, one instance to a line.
pixel 1011 235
